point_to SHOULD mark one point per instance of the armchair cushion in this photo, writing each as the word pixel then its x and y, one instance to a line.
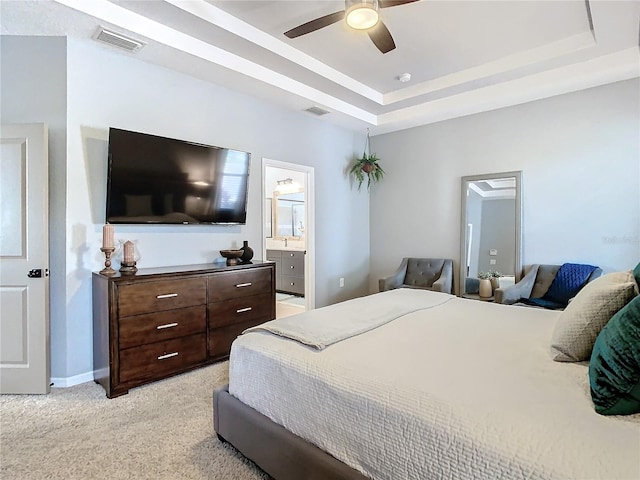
pixel 428 273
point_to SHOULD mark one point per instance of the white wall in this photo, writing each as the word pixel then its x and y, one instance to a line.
pixel 108 89
pixel 580 157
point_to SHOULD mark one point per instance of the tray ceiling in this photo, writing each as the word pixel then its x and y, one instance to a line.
pixel 464 57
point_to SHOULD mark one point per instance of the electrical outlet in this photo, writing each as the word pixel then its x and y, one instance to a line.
pixel 341 282
pixel 492 261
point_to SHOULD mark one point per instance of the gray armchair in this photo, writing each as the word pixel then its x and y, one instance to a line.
pixel 429 273
pixel 535 284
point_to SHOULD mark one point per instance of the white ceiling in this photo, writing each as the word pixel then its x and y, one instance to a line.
pixel 464 56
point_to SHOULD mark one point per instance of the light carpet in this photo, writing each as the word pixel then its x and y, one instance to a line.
pixel 163 430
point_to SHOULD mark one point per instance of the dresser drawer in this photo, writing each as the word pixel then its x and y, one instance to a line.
pixel 156 359
pixel 292 263
pixel 238 310
pixel 292 284
pixel 220 339
pixel 239 283
pixel 163 295
pixel 156 327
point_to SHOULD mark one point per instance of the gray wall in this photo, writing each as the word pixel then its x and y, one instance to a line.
pixel 498 232
pixel 107 89
pixel 580 157
pixel 33 89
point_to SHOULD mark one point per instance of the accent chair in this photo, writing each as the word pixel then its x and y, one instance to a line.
pixel 428 273
pixel 535 285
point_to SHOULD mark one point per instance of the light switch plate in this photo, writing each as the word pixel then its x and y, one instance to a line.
pixel 493 251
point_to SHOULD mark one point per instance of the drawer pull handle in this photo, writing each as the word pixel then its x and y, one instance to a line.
pixel 292 254
pixel 292 267
pixel 243 310
pixel 168 325
pixel 167 295
pixel 168 355
pixel 292 284
pixel 248 284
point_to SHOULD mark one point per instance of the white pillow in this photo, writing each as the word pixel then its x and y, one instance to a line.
pixel 589 311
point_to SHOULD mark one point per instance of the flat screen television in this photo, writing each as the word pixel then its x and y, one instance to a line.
pixel 160 180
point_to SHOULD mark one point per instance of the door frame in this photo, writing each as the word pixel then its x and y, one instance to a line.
pixel 310 232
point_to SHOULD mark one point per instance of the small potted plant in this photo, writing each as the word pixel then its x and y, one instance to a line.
pixel 485 289
pixel 367 166
pixel 495 279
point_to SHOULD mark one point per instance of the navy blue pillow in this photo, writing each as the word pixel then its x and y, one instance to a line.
pixel 614 369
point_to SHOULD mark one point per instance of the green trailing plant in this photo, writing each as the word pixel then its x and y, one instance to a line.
pixel 367 167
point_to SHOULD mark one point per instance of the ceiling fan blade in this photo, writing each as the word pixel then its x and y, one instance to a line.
pixel 394 3
pixel 382 38
pixel 316 24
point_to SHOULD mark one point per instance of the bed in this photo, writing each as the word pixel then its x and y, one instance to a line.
pixel 448 388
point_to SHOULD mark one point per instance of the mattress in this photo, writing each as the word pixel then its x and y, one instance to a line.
pixel 466 389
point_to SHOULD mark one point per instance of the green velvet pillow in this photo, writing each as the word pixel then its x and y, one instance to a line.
pixel 636 274
pixel 614 369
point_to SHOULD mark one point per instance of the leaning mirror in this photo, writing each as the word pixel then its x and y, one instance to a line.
pixel 490 230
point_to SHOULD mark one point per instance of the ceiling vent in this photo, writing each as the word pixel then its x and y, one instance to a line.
pixel 316 111
pixel 118 40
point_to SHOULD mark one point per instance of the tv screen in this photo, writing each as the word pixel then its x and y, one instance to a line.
pixel 161 180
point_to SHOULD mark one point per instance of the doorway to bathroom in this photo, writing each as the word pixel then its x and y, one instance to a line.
pixel 289 232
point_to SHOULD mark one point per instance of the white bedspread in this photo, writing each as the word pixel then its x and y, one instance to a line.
pixel 323 327
pixel 464 390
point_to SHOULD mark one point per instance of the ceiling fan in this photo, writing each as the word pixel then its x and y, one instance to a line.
pixel 360 15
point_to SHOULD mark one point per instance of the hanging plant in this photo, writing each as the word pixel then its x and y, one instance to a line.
pixel 367 166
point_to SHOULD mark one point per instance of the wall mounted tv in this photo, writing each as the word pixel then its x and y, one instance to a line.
pixel 161 180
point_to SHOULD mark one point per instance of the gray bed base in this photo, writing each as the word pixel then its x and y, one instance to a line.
pixel 273 448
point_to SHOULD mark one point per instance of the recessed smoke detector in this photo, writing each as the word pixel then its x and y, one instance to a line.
pixel 316 111
pixel 404 78
pixel 117 40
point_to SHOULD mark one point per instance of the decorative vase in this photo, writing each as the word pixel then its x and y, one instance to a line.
pixel 495 283
pixel 485 288
pixel 247 254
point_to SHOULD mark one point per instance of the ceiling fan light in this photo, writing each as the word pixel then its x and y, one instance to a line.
pixel 362 17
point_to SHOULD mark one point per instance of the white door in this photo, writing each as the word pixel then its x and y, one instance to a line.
pixel 24 259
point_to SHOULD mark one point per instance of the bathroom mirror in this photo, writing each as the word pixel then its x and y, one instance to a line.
pixel 289 215
pixel 490 228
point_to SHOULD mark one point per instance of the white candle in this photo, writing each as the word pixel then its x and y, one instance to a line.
pixel 107 236
pixel 128 251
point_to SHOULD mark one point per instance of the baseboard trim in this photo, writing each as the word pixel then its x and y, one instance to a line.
pixel 63 382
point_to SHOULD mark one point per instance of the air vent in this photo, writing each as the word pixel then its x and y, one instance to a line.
pixel 118 40
pixel 316 111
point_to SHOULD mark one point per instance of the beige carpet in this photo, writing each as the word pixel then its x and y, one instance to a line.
pixel 160 431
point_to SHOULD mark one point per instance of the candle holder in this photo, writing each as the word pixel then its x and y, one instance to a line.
pixel 128 268
pixel 107 270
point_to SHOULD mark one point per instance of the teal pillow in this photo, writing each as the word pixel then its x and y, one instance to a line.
pixel 636 274
pixel 614 369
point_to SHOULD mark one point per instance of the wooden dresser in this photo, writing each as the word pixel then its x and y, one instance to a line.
pixel 164 321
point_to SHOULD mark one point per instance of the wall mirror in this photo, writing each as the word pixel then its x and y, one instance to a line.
pixel 289 214
pixel 490 228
